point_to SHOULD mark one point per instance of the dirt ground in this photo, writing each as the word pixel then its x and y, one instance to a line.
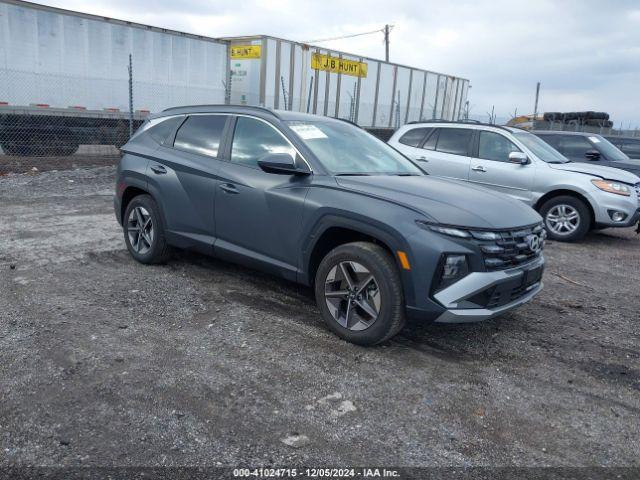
pixel 104 361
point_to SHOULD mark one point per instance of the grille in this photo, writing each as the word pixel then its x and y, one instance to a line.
pixel 511 248
pixel 638 190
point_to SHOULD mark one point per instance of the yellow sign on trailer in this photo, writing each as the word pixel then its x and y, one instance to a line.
pixel 338 65
pixel 245 51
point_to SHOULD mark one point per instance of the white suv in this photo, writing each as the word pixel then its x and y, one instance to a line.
pixel 571 197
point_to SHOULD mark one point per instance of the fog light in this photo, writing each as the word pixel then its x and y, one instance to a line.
pixel 617 216
pixel 453 268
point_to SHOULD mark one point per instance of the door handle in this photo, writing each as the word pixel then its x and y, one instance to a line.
pixel 159 169
pixel 479 168
pixel 422 159
pixel 229 188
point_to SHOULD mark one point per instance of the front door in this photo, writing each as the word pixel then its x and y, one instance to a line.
pixel 259 214
pixel 491 168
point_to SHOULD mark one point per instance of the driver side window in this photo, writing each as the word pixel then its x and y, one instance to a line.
pixel 253 139
pixel 493 146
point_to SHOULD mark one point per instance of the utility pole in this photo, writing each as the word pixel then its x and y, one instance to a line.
pixel 386 42
pixel 535 108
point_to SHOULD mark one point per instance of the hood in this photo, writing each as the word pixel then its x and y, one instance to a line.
pixel 448 202
pixel 608 173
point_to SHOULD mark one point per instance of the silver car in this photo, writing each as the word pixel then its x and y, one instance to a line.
pixel 573 198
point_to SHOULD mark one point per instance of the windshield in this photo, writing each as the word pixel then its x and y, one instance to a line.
pixel 344 149
pixel 608 149
pixel 540 148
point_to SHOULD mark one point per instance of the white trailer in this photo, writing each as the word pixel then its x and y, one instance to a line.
pixel 65 81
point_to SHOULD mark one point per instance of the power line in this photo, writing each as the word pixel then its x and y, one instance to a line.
pixel 380 30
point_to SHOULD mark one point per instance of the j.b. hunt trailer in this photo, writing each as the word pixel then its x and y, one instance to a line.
pixel 64 79
pixel 280 73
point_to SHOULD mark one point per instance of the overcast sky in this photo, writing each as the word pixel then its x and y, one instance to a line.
pixel 585 53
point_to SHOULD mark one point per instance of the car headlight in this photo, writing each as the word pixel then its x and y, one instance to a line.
pixel 453 267
pixel 451 231
pixel 612 187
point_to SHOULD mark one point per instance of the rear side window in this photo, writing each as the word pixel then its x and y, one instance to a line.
pixel 201 134
pixel 493 146
pixel 162 131
pixel 454 140
pixel 414 137
pixel 253 139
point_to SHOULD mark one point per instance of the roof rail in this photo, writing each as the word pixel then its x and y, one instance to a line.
pixel 458 122
pixel 219 105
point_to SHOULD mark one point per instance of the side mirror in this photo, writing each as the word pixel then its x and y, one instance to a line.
pixel 592 154
pixel 518 157
pixel 282 163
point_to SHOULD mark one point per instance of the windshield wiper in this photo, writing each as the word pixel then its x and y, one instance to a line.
pixel 353 174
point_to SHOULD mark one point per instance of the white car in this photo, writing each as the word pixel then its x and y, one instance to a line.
pixel 571 197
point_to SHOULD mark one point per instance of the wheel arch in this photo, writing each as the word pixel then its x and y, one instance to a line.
pixel 129 194
pixel 571 193
pixel 333 231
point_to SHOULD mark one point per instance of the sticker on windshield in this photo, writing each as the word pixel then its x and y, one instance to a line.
pixel 308 132
pixel 594 139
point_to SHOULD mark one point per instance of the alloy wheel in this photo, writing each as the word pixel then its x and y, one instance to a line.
pixel 562 219
pixel 140 230
pixel 352 295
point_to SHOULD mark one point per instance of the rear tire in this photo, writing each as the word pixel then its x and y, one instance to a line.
pixel 371 285
pixel 566 218
pixel 144 231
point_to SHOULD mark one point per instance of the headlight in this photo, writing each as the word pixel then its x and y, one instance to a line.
pixel 451 231
pixel 612 187
pixel 453 267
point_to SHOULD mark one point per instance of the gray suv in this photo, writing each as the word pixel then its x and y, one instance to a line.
pixel 321 202
pixel 571 197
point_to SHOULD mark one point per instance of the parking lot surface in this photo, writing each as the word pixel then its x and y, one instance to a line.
pixel 104 361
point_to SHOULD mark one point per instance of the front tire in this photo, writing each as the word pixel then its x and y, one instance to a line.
pixel 359 293
pixel 144 231
pixel 566 218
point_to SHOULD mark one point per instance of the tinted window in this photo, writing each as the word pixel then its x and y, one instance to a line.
pixel 254 139
pixel 414 137
pixel 201 134
pixel 163 130
pixel 430 144
pixel 454 140
pixel 575 146
pixel 553 140
pixel 493 146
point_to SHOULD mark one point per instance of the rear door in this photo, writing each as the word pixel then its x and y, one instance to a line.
pixel 446 152
pixel 491 168
pixel 183 177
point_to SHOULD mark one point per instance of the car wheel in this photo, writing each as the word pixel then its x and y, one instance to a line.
pixel 144 231
pixel 566 218
pixel 359 293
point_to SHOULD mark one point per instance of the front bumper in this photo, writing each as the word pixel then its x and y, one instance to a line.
pixel 500 291
pixel 604 203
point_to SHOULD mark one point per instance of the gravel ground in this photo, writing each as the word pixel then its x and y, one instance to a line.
pixel 104 361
